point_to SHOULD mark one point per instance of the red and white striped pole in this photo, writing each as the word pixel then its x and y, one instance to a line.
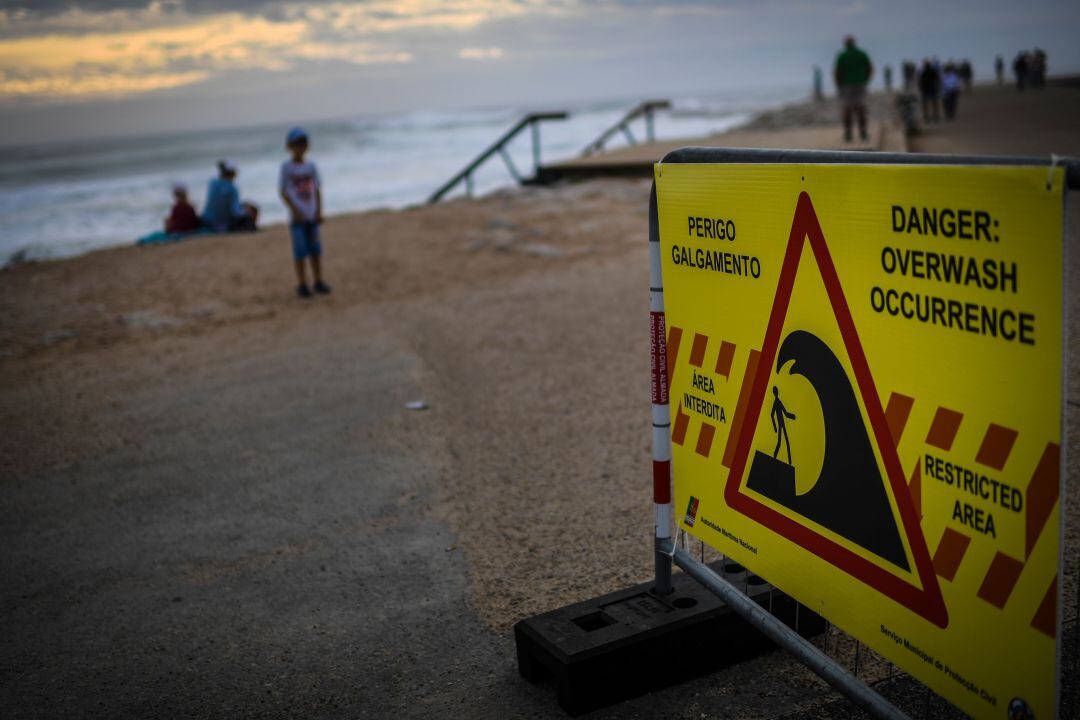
pixel 661 411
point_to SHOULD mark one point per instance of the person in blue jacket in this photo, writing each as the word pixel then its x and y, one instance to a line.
pixel 223 211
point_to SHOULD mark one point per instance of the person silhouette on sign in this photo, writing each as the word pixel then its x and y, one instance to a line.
pixel 777 415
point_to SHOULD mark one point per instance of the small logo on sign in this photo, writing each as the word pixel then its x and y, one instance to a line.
pixel 1019 710
pixel 691 511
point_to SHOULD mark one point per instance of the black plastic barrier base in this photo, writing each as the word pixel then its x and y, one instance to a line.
pixel 631 642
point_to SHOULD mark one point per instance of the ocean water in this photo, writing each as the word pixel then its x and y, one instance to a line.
pixel 64 199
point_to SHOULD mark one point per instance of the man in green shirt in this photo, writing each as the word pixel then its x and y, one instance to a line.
pixel 852 73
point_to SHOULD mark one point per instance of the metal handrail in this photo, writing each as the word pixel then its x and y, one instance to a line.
pixel 499 146
pixel 645 109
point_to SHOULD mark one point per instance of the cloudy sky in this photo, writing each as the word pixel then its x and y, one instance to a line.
pixel 71 69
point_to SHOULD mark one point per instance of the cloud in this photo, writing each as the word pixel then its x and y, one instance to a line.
pixel 395 16
pixel 481 53
pixel 58 50
pixel 355 53
pixel 100 62
pixel 113 84
pixel 351 17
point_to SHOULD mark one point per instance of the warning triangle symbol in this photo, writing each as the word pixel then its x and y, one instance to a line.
pixel 850 498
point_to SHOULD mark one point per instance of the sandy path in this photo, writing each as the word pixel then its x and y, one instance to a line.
pixel 62 319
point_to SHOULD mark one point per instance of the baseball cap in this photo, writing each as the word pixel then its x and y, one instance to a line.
pixel 227 166
pixel 296 135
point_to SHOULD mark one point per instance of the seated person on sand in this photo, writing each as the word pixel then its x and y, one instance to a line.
pixel 183 218
pixel 224 212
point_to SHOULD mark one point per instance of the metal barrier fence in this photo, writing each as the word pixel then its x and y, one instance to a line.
pixel 838 654
pixel 666 550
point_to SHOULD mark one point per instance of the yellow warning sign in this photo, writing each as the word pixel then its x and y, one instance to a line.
pixel 865 364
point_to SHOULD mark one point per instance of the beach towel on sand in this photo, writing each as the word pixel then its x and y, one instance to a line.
pixel 161 237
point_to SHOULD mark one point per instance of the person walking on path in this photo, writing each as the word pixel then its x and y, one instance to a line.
pixel 1037 68
pixel 950 90
pixel 301 192
pixel 999 69
pixel 777 415
pixel 1021 67
pixel 909 75
pixel 930 91
pixel 852 72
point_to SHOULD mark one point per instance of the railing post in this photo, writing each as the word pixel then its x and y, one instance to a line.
pixel 536 145
pixel 468 184
pixel 649 133
pixel 510 165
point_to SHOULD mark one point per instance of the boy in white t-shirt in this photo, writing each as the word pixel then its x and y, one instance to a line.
pixel 299 187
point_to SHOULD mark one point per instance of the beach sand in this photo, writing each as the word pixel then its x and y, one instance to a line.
pixel 216 500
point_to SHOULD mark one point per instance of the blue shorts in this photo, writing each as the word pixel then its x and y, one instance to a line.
pixel 305 240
